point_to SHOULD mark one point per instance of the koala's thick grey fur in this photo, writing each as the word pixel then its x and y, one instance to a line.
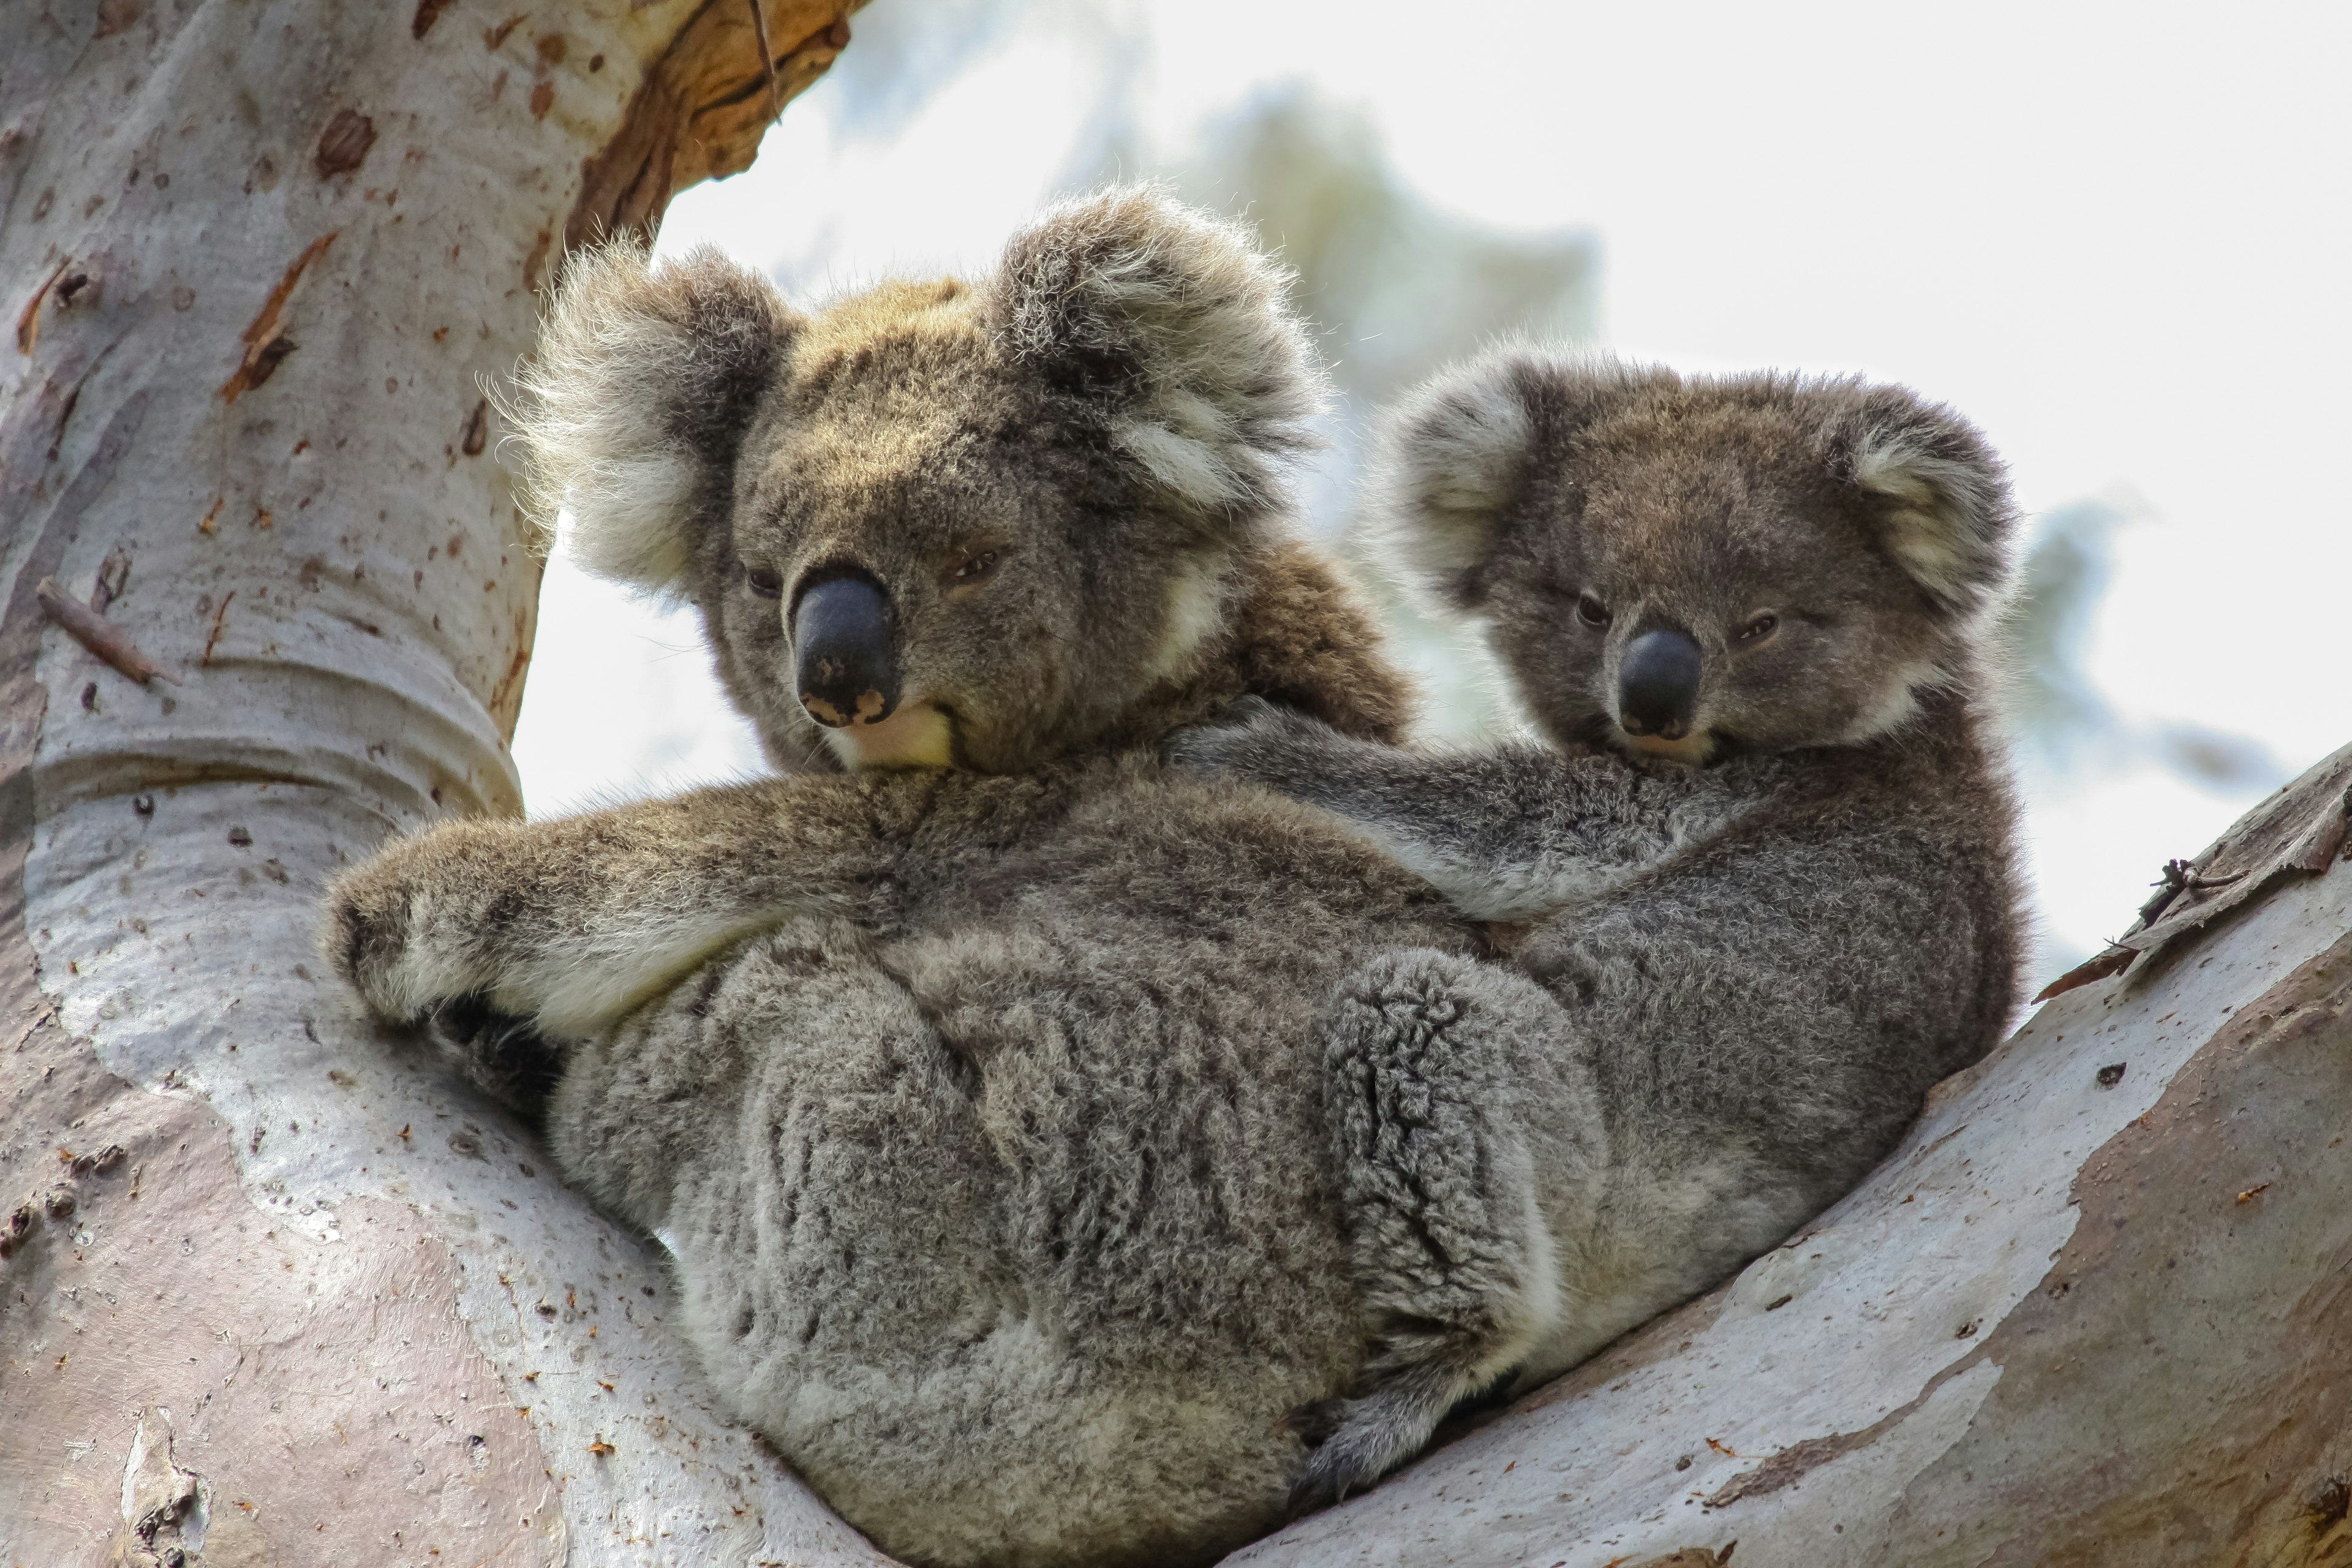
pixel 1763 936
pixel 972 1075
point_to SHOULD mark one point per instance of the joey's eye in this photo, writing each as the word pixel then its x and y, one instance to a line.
pixel 1758 627
pixel 764 581
pixel 1591 611
pixel 973 570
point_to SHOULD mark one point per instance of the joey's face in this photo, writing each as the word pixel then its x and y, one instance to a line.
pixel 1709 593
pixel 922 570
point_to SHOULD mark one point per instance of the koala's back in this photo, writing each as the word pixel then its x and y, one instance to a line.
pixel 1034 1197
pixel 1139 998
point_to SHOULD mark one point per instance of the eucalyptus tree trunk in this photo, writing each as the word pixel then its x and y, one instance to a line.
pixel 271 1291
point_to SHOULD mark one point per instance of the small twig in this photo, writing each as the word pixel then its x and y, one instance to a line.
pixel 2168 888
pixel 2180 877
pixel 219 617
pixel 99 635
pixel 767 61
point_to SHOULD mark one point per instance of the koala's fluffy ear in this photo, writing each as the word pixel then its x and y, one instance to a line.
pixel 1454 460
pixel 1447 467
pixel 1177 325
pixel 632 411
pixel 1945 514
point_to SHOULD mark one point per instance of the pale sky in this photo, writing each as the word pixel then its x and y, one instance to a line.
pixel 2115 236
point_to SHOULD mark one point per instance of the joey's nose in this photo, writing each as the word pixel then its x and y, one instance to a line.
pixel 1658 684
pixel 845 652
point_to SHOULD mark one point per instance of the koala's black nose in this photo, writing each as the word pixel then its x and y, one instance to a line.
pixel 1658 684
pixel 846 651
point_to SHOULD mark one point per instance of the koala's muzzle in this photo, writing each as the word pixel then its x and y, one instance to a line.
pixel 846 651
pixel 1657 683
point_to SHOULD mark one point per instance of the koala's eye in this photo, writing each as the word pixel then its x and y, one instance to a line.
pixel 1591 611
pixel 764 581
pixel 1758 627
pixel 973 570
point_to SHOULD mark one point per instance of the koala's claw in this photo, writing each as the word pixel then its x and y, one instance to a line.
pixel 1367 1440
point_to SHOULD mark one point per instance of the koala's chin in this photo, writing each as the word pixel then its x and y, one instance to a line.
pixel 1694 750
pixel 917 735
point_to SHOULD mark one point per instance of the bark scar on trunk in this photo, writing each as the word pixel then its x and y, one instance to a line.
pixel 265 344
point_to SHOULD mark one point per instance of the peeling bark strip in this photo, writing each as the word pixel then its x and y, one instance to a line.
pixel 264 346
pixel 700 111
pixel 2300 829
pixel 28 320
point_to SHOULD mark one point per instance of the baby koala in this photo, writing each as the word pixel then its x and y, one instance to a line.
pixel 1763 876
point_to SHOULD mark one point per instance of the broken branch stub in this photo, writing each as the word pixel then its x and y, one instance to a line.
pixel 2299 830
pixel 97 634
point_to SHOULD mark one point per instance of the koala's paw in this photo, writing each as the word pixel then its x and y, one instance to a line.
pixel 1356 1441
pixel 375 935
pixel 1363 1440
pixel 504 1055
pixel 1251 739
pixel 365 936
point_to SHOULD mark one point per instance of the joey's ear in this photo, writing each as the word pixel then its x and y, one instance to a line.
pixel 1457 464
pixel 1177 325
pixel 1945 512
pixel 632 411
pixel 1447 467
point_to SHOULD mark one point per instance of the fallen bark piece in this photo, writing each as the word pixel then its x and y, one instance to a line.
pixel 99 635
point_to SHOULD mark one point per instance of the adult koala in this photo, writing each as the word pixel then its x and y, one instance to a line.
pixel 972 1077
pixel 1762 877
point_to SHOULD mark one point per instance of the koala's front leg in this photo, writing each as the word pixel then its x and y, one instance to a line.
pixel 569 923
pixel 1505 835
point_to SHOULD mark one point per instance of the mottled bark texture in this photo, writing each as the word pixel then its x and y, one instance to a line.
pixel 2096 1309
pixel 270 1290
